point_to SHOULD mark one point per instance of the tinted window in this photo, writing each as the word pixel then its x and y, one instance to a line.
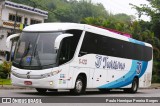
pixel 34 21
pixel 36 51
pixel 98 44
pixel 68 46
pixel 90 44
pixel 12 17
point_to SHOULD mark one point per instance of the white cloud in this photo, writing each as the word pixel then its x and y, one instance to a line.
pixel 122 6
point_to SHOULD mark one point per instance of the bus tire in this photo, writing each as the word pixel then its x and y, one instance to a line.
pixel 80 86
pixel 134 87
pixel 41 90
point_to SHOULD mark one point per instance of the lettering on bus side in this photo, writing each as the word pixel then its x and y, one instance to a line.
pixel 83 61
pixel 139 67
pixel 106 63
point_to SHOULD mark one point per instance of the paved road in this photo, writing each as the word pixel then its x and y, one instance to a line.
pixel 89 93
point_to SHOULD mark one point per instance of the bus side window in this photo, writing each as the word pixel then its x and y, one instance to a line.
pixel 65 50
pixel 68 46
pixel 104 45
pixel 74 41
pixel 90 45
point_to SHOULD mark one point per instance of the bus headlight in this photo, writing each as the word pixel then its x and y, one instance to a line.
pixel 51 82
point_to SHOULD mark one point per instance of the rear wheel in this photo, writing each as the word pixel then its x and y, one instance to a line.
pixel 41 90
pixel 80 86
pixel 134 87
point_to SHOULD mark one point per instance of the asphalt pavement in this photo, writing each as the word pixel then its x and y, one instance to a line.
pixel 91 95
pixel 153 86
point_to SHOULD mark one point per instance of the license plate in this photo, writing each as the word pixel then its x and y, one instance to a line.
pixel 27 82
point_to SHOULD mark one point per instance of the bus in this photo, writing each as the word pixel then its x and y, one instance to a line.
pixel 76 57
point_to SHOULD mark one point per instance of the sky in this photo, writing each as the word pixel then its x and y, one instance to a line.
pixel 122 6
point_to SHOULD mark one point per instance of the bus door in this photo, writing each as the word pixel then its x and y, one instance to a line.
pixel 64 57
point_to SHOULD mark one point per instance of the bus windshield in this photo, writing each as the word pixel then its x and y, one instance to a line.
pixel 36 50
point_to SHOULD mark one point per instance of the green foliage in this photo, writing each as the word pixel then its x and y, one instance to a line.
pixel 153 26
pixel 3 74
pixel 5 69
pixel 5 82
pixel 124 18
pixel 6 66
pixel 67 10
pixel 152 11
pixel 111 22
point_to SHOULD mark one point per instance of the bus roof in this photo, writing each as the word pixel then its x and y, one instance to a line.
pixel 48 27
pixel 44 27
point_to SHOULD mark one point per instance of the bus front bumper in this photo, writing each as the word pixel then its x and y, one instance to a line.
pixel 47 83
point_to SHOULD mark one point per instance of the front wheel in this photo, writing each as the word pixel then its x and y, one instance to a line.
pixel 41 90
pixel 80 86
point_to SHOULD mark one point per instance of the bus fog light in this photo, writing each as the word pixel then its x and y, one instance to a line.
pixel 51 82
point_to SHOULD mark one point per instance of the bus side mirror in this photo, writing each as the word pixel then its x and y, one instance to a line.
pixel 8 41
pixel 60 38
pixel 9 45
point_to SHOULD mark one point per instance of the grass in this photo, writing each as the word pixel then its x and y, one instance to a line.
pixel 5 82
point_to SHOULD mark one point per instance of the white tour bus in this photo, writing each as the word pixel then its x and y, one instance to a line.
pixel 52 56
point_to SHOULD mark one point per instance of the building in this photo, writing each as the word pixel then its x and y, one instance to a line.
pixel 13 17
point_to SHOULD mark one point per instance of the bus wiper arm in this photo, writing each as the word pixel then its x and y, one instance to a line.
pixel 36 54
pixel 25 53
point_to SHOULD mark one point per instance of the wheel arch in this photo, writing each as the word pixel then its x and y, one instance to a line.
pixel 79 84
pixel 83 75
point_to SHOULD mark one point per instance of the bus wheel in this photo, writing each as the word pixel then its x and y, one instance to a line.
pixel 134 87
pixel 41 90
pixel 80 86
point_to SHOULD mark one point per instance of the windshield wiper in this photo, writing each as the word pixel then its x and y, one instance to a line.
pixel 36 54
pixel 24 54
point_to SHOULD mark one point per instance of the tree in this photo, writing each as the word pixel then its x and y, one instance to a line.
pixel 153 12
pixel 153 26
pixel 67 10
pixel 124 18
